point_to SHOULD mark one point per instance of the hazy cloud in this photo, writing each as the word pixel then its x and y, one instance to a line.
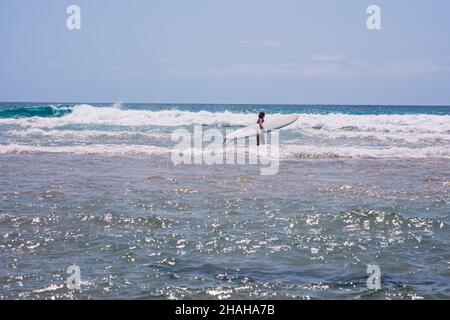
pixel 270 44
pixel 241 69
pixel 263 43
pixel 410 66
pixel 330 65
pixel 324 57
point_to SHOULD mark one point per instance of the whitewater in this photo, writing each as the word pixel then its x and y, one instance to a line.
pixel 116 130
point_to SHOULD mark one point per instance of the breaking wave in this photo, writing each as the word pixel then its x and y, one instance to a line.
pixel 55 129
pixel 90 115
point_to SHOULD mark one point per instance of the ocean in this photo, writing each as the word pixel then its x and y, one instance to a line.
pixel 94 185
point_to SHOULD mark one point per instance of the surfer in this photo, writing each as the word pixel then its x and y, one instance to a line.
pixel 260 136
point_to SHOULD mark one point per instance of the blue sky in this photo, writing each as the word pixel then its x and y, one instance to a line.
pixel 226 51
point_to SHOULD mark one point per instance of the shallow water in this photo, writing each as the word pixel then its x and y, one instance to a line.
pixel 95 191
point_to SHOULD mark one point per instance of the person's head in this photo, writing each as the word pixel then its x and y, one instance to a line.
pixel 261 115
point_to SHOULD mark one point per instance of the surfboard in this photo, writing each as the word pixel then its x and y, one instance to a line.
pixel 269 125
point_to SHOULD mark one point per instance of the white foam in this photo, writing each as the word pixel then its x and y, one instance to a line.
pixel 89 115
pixel 378 136
pixel 97 149
pixel 85 134
pixel 313 151
pixel 421 123
pixel 286 152
pixel 429 133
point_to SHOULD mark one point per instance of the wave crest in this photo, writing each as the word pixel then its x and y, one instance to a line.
pixel 314 123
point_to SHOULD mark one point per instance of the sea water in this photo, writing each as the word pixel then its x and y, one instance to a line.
pixel 93 185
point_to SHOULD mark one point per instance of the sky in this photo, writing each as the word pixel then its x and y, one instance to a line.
pixel 226 51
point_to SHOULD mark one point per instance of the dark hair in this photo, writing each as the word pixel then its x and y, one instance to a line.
pixel 261 114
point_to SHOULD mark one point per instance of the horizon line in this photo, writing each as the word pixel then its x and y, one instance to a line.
pixel 235 104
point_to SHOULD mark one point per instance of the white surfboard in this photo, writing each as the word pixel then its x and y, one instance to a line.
pixel 269 125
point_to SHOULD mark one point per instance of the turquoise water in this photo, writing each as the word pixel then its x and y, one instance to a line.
pixel 16 110
pixel 94 185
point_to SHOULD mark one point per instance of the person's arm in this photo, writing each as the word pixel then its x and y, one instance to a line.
pixel 260 122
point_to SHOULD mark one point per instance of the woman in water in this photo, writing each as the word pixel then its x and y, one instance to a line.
pixel 260 136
